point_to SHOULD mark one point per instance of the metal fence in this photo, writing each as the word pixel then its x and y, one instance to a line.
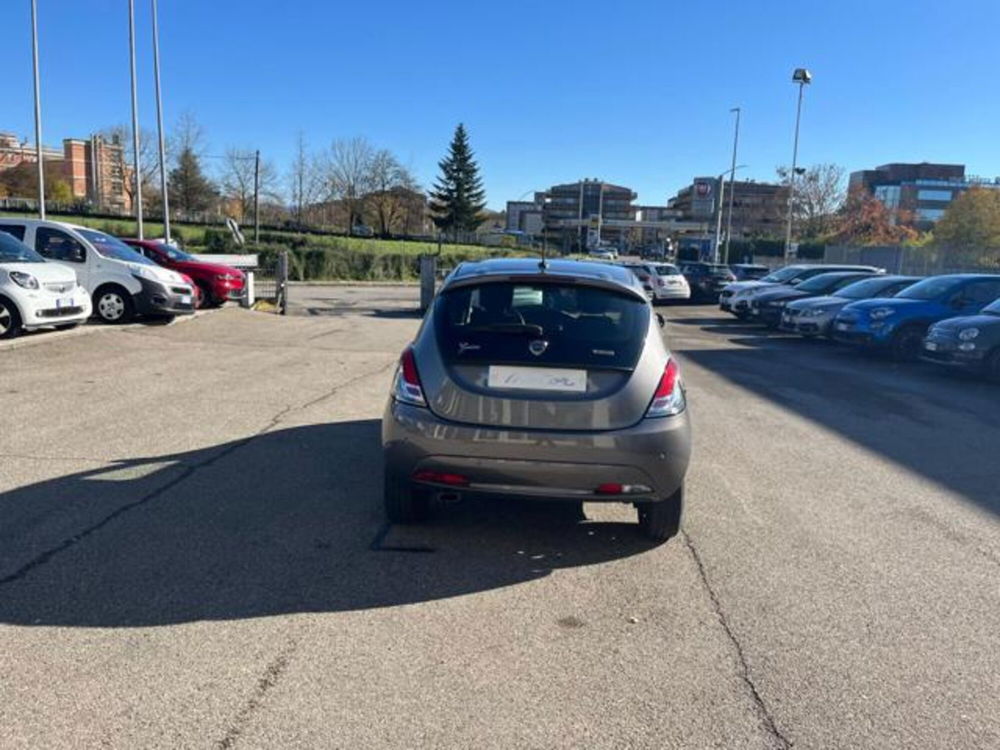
pixel 914 261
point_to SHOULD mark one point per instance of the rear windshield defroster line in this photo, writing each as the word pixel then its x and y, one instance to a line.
pixel 541 324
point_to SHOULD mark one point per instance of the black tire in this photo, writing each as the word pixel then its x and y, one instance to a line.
pixel 993 366
pixel 404 503
pixel 661 520
pixel 208 300
pixel 10 320
pixel 113 304
pixel 906 344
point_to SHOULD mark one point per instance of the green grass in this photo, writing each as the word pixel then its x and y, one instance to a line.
pixel 313 257
pixel 192 236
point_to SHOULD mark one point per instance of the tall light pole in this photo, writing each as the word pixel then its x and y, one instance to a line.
pixel 135 118
pixel 802 77
pixel 38 112
pixel 721 186
pixel 732 186
pixel 159 125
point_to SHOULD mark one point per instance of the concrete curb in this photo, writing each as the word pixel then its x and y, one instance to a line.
pixel 90 327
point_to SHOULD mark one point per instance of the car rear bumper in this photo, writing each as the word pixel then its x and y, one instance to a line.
pixel 661 293
pixel 653 454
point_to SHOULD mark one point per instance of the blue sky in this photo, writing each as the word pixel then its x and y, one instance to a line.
pixel 637 93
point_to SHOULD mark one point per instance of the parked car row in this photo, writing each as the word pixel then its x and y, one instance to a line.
pixel 56 274
pixel 950 319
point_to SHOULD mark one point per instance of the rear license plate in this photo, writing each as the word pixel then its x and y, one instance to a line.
pixel 537 378
pixel 186 299
pixel 930 346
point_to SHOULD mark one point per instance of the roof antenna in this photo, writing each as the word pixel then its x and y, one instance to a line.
pixel 543 264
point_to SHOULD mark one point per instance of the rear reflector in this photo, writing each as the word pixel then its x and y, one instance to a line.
pixel 441 477
pixel 668 399
pixel 614 488
pixel 406 387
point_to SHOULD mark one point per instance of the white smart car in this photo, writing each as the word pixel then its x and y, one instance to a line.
pixel 35 293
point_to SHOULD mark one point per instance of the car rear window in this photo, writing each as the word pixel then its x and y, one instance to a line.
pixel 541 324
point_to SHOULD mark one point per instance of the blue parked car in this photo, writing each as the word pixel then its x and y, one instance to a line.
pixel 898 324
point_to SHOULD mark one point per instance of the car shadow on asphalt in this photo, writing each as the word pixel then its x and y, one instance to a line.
pixel 935 423
pixel 285 522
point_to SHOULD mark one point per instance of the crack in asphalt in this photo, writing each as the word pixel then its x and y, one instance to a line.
pixel 765 715
pixel 70 542
pixel 272 673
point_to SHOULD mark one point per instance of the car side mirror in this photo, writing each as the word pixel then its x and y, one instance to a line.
pixel 661 320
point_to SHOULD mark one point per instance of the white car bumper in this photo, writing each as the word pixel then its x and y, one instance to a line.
pixel 45 307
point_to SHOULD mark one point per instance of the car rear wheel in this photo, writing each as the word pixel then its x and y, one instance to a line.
pixel 906 344
pixel 661 520
pixel 10 320
pixel 404 503
pixel 114 305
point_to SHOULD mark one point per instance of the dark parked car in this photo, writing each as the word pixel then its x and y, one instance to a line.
pixel 971 342
pixel 749 271
pixel 898 325
pixel 814 316
pixel 546 381
pixel 735 298
pixel 767 306
pixel 706 279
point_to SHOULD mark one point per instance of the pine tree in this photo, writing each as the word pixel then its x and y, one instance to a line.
pixel 190 190
pixel 458 198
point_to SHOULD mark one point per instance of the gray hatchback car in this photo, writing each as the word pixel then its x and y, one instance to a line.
pixel 545 380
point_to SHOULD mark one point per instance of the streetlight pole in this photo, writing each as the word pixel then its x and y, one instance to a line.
pixel 720 186
pixel 159 126
pixel 38 112
pixel 802 77
pixel 732 186
pixel 135 118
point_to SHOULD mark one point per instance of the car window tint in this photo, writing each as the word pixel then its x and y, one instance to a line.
pixel 981 292
pixel 15 231
pixel 583 326
pixel 55 244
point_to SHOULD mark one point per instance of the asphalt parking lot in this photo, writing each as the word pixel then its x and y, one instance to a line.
pixel 192 554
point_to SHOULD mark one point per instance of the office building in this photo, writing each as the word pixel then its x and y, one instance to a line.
pixel 759 208
pixel 917 194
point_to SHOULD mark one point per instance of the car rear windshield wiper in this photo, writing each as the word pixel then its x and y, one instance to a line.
pixel 518 329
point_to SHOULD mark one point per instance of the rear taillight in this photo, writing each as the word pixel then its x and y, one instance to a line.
pixel 668 399
pixel 441 477
pixel 406 386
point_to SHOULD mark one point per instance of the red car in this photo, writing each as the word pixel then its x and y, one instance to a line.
pixel 217 283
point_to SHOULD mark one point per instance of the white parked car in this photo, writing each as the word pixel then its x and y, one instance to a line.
pixel 35 294
pixel 668 282
pixel 120 281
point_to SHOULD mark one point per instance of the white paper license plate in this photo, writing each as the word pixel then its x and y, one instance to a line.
pixel 930 346
pixel 186 299
pixel 63 302
pixel 537 378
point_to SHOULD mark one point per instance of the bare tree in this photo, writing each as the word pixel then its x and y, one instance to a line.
pixel 123 160
pixel 304 180
pixel 186 135
pixel 393 188
pixel 819 193
pixel 349 176
pixel 237 180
